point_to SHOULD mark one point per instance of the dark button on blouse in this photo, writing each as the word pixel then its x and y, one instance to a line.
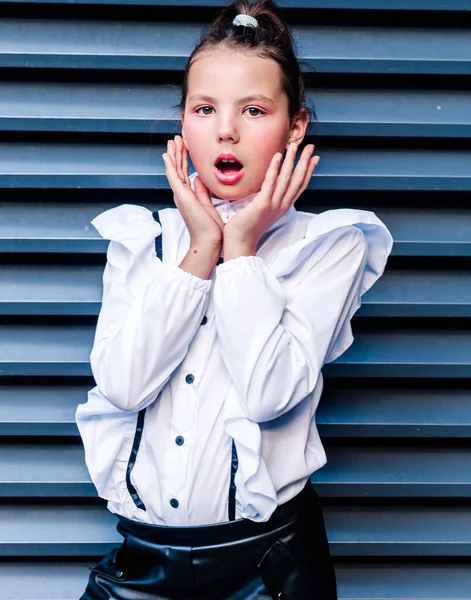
pixel 179 440
pixel 174 503
pixel 205 320
pixel 189 378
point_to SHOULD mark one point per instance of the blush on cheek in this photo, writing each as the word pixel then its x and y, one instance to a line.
pixel 197 149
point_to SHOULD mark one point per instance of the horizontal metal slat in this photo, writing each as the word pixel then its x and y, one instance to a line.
pixel 36 581
pixel 436 232
pixel 132 108
pixel 352 531
pixel 137 45
pixel 412 472
pixel 54 350
pixel 355 413
pixel 141 167
pixel 50 411
pixel 422 5
pixel 40 411
pixel 402 581
pixel 41 580
pixel 350 412
pixel 400 353
pixel 416 293
pixel 392 113
pixel 49 227
pixel 45 350
pixel 57 531
pixel 65 227
pixel 425 471
pixel 37 470
pixel 399 531
pixel 52 290
pixel 128 108
pixel 29 580
pixel 77 290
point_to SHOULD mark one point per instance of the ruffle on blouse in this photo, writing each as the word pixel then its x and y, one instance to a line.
pixel 256 494
pixel 131 225
pixel 378 240
pixel 112 430
pixel 100 423
pixel 379 243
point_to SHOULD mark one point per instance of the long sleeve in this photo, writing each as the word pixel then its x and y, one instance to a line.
pixel 150 313
pixel 275 342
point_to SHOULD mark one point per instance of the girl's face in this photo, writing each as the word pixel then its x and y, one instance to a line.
pixel 236 109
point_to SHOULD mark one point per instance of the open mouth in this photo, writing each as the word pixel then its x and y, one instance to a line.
pixel 228 169
pixel 229 166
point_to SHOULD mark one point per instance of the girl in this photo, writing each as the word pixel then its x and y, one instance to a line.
pixel 216 321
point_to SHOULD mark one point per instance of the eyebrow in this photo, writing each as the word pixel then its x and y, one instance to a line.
pixel 253 98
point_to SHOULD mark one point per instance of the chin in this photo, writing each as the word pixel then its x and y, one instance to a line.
pixel 232 192
pixel 231 195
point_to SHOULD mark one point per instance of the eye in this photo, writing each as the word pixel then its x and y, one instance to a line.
pixel 206 110
pixel 254 111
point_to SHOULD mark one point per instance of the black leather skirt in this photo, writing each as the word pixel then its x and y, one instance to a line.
pixel 286 558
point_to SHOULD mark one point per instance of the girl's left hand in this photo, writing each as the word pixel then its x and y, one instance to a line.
pixel 280 190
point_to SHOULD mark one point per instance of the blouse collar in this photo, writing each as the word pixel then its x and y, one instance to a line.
pixel 228 208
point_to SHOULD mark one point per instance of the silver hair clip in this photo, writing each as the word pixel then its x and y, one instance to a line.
pixel 245 21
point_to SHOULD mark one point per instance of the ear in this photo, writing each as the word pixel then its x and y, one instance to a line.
pixel 298 127
pixel 182 117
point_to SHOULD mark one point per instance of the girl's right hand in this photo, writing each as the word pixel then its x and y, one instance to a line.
pixel 201 217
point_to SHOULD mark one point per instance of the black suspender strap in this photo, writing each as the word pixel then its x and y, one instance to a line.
pixel 132 459
pixel 158 239
pixel 232 487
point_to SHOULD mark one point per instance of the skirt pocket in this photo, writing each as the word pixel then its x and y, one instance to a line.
pixel 109 569
pixel 298 565
pixel 284 576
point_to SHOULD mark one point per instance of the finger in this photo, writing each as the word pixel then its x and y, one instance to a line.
pixel 285 175
pixel 298 176
pixel 309 173
pixel 178 161
pixel 202 192
pixel 269 183
pixel 172 151
pixel 186 173
pixel 174 180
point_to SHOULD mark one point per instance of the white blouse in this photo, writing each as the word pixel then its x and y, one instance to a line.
pixel 237 357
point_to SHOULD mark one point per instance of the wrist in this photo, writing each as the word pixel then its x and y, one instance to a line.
pixel 200 260
pixel 234 248
pixel 208 246
pixel 206 250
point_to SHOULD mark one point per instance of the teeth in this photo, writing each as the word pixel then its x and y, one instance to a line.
pixel 227 161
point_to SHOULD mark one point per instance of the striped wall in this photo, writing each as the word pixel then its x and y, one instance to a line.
pixel 86 88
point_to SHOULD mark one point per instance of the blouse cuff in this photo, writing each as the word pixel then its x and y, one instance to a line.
pixel 242 263
pixel 192 282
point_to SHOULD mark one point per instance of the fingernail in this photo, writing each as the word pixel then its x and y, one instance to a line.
pixel 311 148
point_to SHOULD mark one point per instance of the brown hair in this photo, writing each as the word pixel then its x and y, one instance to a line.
pixel 271 39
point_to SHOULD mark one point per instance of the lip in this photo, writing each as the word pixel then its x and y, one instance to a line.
pixel 228 179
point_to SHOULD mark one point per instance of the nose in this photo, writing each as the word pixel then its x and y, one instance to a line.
pixel 227 129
